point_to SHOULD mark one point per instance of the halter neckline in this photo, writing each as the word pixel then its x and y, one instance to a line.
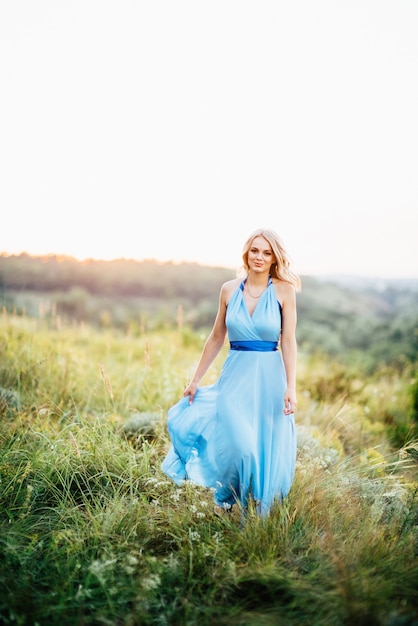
pixel 269 282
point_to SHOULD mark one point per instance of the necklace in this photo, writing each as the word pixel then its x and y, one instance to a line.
pixel 255 297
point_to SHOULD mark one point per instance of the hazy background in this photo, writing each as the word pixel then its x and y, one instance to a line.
pixel 171 129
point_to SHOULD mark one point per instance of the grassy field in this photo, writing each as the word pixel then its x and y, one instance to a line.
pixel 93 533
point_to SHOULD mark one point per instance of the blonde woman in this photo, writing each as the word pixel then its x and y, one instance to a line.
pixel 238 435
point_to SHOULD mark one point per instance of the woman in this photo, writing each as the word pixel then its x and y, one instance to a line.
pixel 238 435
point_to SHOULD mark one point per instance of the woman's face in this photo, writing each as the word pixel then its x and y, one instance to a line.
pixel 260 255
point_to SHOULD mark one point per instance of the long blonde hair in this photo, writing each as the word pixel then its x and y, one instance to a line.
pixel 280 268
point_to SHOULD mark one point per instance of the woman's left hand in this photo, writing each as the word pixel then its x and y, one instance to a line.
pixel 290 401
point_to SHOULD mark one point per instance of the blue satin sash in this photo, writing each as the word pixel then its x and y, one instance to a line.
pixel 257 345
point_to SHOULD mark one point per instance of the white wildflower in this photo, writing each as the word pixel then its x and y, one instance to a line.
pixel 82 593
pixel 132 559
pixel 172 562
pixel 153 581
pixel 100 568
pixel 194 535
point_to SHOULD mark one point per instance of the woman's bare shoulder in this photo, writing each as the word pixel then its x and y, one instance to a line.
pixel 285 291
pixel 229 287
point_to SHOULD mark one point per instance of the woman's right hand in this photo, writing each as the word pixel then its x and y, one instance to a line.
pixel 190 391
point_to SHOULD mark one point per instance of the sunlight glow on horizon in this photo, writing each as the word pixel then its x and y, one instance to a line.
pixel 232 261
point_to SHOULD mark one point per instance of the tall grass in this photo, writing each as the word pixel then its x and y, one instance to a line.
pixel 92 532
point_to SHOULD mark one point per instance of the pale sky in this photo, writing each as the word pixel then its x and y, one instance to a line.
pixel 171 129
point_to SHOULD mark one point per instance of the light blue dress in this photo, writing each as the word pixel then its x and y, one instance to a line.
pixel 234 437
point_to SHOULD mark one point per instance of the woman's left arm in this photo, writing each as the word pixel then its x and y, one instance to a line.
pixel 289 347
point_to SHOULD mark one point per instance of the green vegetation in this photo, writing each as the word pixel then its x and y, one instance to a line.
pixel 92 532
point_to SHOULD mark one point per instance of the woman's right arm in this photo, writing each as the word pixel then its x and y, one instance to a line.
pixel 213 344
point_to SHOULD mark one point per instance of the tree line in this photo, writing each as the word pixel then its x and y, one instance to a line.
pixel 120 277
pixel 376 320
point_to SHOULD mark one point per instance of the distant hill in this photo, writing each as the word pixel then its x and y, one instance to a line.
pixel 370 282
pixel 151 278
pixel 120 277
pixel 338 314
